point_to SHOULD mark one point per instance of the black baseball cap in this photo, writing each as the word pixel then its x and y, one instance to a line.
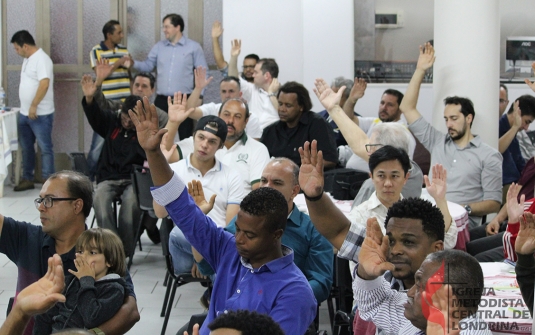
pixel 221 131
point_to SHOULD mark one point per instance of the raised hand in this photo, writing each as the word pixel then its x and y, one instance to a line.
pixel 517 116
pixel 373 254
pixel 217 30
pixel 44 293
pixel 83 268
pixel 177 110
pixel 197 193
pixel 525 240
pixel 88 86
pixel 528 82
pixel 103 69
pixel 437 187
pixel 274 86
pixel 514 208
pixel 235 48
pixel 358 90
pixel 326 95
pixel 145 120
pixel 195 330
pixel 167 153
pixel 427 57
pixel 311 170
pixel 200 77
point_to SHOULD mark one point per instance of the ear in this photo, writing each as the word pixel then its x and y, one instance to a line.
pixel 278 234
pixel 78 206
pixel 469 119
pixel 438 246
pixel 371 175
pixel 295 190
pixel 108 265
pixel 407 178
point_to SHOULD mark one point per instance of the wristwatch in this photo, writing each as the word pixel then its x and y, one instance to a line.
pixel 468 209
pixel 97 331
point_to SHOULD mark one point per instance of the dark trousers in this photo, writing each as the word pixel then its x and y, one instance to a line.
pixel 486 248
pixel 186 128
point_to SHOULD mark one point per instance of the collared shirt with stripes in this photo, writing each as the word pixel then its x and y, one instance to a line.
pixel 117 85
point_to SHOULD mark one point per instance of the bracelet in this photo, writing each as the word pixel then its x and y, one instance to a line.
pixel 316 198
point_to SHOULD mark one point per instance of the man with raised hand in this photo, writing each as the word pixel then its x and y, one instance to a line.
pixel 255 271
pixel 475 168
pixel 262 94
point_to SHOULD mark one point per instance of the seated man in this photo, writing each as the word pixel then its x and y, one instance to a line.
pixel 255 272
pixel 477 167
pixel 219 181
pixel 121 151
pixel 312 252
pixel 239 151
pixel 403 312
pixel 298 124
pixel 64 204
pixel 385 133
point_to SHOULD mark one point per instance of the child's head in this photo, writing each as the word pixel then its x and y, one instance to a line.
pixel 106 242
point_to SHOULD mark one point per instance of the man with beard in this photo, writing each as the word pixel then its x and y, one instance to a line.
pixel 246 155
pixel 476 167
pixel 389 111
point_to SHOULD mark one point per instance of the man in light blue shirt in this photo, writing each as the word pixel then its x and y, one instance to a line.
pixel 174 58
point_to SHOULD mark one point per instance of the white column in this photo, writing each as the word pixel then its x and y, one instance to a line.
pixel 467 43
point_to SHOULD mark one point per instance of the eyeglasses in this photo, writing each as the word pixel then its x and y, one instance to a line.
pixel 370 147
pixel 502 101
pixel 49 201
pixel 248 67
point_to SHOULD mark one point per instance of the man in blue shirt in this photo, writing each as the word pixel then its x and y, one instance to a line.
pixel 174 58
pixel 255 271
pixel 518 118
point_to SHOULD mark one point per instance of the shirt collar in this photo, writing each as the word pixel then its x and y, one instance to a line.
pixel 217 166
pixel 374 201
pixel 105 48
pixel 275 265
pixel 181 41
pixel 244 138
pixel 295 216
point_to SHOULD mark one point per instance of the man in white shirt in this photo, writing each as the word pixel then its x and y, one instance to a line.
pixel 262 95
pixel 221 184
pixel 36 108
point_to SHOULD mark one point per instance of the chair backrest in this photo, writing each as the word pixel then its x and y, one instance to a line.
pixel 142 182
pixel 165 231
pixel 79 163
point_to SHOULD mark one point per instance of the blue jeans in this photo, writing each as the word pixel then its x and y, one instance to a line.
pixel 180 250
pixel 40 130
pixel 97 143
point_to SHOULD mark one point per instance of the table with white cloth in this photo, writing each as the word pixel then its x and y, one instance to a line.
pixel 8 143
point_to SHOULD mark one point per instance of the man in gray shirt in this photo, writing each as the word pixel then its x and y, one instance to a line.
pixel 474 168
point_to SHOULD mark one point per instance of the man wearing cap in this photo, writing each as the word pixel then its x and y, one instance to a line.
pixel 217 179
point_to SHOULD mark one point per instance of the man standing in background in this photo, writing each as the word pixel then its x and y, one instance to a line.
pixel 36 108
pixel 174 58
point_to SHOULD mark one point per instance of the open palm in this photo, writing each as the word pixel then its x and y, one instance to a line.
pixel 525 241
pixel 311 170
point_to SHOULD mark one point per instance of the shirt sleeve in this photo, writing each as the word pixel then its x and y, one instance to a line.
pixel 365 123
pixel 246 89
pixel 450 237
pixel 97 304
pixel 525 276
pixel 209 109
pixel 253 128
pixel 491 177
pixel 427 134
pixel 292 311
pixel 318 267
pixel 45 68
pixel 324 134
pixel 509 240
pixel 236 190
pixel 98 119
pixel 93 57
pixel 259 162
pixel 377 302
pixel 148 64
pixel 351 247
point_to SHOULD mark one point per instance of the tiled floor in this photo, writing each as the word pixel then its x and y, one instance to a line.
pixel 148 272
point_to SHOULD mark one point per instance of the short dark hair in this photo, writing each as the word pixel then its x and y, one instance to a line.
pixel 463 272
pixel 231 79
pixel 419 209
pixel 390 153
pixel 130 103
pixel 467 107
pixel 252 56
pixel 147 75
pixel 269 65
pixel 240 100
pixel 175 20
pixel 106 242
pixel 526 103
pixel 395 93
pixel 505 88
pixel 269 203
pixel 247 322
pixel 22 37
pixel 109 28
pixel 78 186
pixel 303 98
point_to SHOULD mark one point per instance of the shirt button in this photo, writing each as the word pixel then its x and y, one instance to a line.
pixel 252 271
pixel 238 291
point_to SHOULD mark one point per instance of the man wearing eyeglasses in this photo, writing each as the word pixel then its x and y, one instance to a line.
pixel 64 203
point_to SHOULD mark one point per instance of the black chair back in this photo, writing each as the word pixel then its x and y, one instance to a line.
pixel 79 162
pixel 142 182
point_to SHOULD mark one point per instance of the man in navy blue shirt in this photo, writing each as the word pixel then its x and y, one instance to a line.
pixel 255 272
pixel 518 118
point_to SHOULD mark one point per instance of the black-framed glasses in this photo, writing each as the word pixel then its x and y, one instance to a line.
pixel 371 147
pixel 49 201
pixel 248 67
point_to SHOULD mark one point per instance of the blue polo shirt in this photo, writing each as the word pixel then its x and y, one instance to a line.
pixel 278 288
pixel 513 162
